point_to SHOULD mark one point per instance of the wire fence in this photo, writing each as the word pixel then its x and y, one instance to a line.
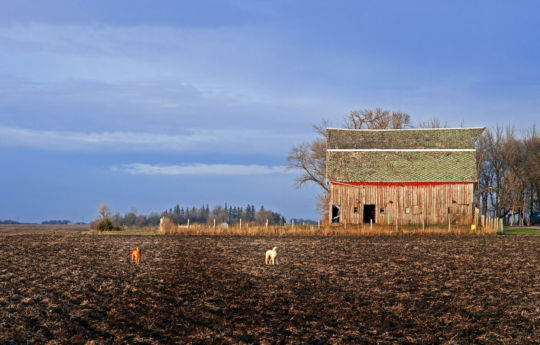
pixel 485 227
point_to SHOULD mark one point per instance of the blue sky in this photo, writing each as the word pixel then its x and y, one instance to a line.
pixel 148 104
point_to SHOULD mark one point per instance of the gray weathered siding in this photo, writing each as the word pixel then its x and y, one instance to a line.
pixel 410 202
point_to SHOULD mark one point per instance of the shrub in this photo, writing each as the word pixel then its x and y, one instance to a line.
pixel 106 225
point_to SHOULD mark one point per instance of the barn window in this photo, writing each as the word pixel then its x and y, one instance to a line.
pixel 381 210
pixel 355 209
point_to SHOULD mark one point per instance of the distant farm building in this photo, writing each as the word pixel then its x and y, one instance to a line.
pixel 411 176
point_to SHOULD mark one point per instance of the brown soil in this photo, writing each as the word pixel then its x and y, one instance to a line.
pixel 79 288
pixel 17 229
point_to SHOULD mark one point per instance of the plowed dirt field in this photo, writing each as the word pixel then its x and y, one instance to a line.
pixel 81 288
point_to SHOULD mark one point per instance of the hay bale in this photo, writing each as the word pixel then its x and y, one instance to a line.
pixel 166 226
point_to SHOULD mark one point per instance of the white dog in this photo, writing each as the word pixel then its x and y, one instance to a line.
pixel 271 256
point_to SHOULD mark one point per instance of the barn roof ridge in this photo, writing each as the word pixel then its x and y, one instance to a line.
pixel 448 138
pixel 402 129
pixel 400 150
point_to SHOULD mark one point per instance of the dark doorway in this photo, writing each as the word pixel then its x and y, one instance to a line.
pixel 335 213
pixel 369 213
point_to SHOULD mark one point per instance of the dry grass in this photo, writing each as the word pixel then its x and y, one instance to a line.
pixel 313 230
pixel 147 230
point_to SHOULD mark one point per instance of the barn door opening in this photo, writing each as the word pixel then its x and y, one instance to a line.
pixel 369 213
pixel 459 214
pixel 335 213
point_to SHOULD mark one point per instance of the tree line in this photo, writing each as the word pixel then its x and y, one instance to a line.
pixel 180 215
pixel 508 165
pixel 223 214
pixel 508 169
pixel 45 222
pixel 8 221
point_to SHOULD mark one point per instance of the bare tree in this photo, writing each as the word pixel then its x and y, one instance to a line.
pixel 434 122
pixel 310 159
pixel 104 211
pixel 377 119
pixel 509 173
pixel 497 166
pixel 532 169
pixel 220 214
pixel 484 177
pixel 513 179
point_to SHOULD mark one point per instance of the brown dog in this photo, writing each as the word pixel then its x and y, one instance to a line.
pixel 135 255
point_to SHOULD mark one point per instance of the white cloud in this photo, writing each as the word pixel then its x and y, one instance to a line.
pixel 65 139
pixel 200 169
pixel 196 140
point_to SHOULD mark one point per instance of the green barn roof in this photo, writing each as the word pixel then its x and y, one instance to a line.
pixel 413 155
pixel 439 138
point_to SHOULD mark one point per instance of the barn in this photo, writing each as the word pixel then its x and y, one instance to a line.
pixel 405 176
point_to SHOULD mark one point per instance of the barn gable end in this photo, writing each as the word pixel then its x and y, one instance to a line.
pixel 412 175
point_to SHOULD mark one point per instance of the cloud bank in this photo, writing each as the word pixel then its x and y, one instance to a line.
pixel 196 140
pixel 200 169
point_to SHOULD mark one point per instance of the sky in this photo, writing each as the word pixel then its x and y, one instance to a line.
pixel 148 104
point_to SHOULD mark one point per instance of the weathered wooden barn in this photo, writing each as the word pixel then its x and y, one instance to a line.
pixel 409 176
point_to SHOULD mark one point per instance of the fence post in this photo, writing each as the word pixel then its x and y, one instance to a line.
pixel 188 223
pixel 240 223
pixel 397 216
pixel 266 223
pixel 370 224
pixel 512 218
pixel 214 224
pixel 319 224
pixel 292 223
pixel 449 216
